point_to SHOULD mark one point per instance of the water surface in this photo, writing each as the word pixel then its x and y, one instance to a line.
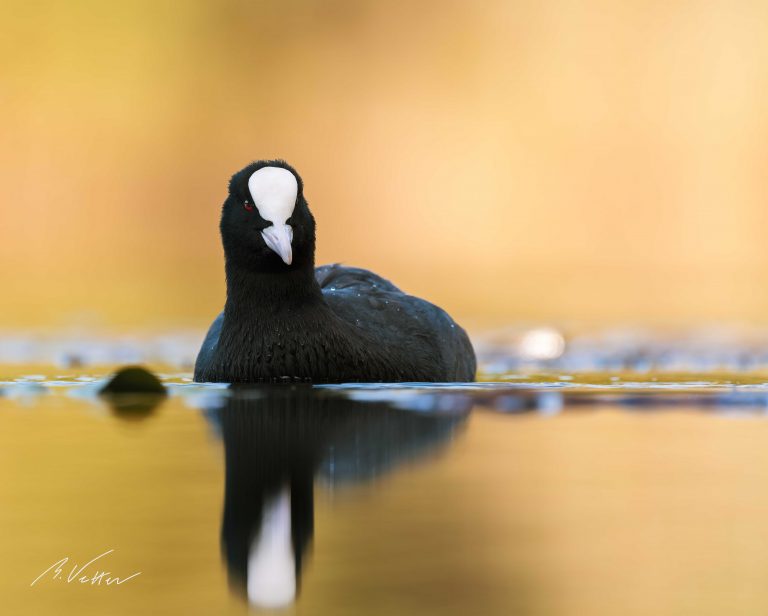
pixel 547 493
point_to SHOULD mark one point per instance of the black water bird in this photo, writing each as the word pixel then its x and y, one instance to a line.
pixel 284 320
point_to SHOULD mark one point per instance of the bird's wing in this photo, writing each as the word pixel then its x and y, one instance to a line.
pixel 208 347
pixel 341 277
pixel 393 318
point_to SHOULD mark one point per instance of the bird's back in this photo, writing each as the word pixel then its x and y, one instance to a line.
pixel 399 323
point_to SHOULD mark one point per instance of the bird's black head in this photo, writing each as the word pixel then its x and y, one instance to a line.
pixel 266 224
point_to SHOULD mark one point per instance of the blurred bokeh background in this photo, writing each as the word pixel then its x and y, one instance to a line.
pixel 510 160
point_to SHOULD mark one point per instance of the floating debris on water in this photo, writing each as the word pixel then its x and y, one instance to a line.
pixel 133 380
pixel 133 392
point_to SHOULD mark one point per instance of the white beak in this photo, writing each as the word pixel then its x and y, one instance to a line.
pixel 278 238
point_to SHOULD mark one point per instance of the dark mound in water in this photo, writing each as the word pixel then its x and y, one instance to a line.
pixel 133 392
pixel 134 380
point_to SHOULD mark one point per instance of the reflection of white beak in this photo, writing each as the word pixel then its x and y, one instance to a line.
pixel 271 564
pixel 278 238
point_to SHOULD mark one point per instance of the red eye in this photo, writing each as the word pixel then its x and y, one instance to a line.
pixel 248 206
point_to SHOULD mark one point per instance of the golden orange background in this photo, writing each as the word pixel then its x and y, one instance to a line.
pixel 597 160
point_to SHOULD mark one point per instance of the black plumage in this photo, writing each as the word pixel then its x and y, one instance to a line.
pixel 287 321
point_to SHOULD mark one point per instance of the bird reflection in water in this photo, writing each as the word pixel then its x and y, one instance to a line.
pixel 278 439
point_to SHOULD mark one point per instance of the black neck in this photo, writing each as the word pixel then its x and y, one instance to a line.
pixel 278 324
pixel 252 292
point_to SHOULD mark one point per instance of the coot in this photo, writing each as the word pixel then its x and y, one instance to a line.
pixel 285 321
